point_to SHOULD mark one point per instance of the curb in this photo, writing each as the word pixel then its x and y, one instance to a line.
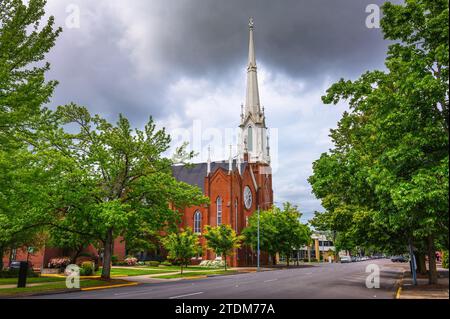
pixel 400 285
pixel 66 290
pixel 110 287
pixel 81 277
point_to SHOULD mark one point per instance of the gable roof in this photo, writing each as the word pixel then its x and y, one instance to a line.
pixel 195 174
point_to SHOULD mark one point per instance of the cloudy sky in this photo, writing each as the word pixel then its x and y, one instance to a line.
pixel 184 63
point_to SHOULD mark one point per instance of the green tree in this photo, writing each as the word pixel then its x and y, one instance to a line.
pixel 280 231
pixel 389 167
pixel 268 241
pixel 222 240
pixel 23 45
pixel 24 41
pixel 181 246
pixel 291 233
pixel 114 180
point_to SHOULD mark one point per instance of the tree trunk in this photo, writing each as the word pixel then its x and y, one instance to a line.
pixel 107 253
pixel 432 271
pixel 181 269
pixel 225 259
pixel 287 260
pixel 77 253
pixel 421 264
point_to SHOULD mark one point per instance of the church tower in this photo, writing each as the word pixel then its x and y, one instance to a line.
pixel 254 140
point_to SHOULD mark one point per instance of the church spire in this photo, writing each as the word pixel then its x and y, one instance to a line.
pixel 252 105
pixel 253 123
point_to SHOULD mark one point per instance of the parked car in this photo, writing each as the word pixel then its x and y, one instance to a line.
pixel 346 259
pixel 364 258
pixel 399 259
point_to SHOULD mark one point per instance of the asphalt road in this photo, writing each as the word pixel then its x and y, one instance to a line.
pixel 322 281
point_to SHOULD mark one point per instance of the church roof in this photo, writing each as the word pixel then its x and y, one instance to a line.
pixel 195 174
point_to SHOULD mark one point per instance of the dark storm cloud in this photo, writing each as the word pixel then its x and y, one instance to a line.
pixel 305 39
pixel 201 38
pixel 127 56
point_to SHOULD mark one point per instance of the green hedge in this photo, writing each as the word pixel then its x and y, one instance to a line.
pixel 152 263
pixel 14 273
pixel 166 263
pixel 87 269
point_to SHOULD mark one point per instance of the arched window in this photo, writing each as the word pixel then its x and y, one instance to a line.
pixel 197 222
pixel 219 211
pixel 250 139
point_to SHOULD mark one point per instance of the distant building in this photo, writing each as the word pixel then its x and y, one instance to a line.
pixel 321 248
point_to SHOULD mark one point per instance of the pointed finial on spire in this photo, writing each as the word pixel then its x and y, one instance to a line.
pixel 251 23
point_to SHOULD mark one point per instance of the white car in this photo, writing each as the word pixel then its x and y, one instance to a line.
pixel 346 259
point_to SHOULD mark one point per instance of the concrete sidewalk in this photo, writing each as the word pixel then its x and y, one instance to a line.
pixel 423 290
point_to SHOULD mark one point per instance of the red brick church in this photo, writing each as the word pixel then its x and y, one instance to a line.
pixel 242 183
pixel 237 187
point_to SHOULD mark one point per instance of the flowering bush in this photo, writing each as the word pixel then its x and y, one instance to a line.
pixel 212 263
pixel 87 268
pixel 131 261
pixel 59 262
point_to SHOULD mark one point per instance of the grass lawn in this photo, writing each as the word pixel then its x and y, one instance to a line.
pixel 30 280
pixel 197 274
pixel 177 268
pixel 54 286
pixel 134 272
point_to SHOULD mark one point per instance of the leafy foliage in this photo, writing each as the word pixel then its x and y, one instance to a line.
pixel 181 246
pixel 222 240
pixel 386 180
pixel 280 230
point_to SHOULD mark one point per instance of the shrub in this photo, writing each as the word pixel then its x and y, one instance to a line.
pixel 14 273
pixel 87 269
pixel 212 263
pixel 166 263
pixel 59 262
pixel 131 261
pixel 140 263
pixel 121 263
pixel 152 263
pixel 114 259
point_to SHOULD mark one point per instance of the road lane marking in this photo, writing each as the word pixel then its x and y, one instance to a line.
pixel 271 280
pixel 181 296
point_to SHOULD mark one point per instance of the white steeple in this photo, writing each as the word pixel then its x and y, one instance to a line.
pixel 253 122
pixel 252 96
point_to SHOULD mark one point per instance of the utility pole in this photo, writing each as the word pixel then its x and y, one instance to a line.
pixel 412 262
